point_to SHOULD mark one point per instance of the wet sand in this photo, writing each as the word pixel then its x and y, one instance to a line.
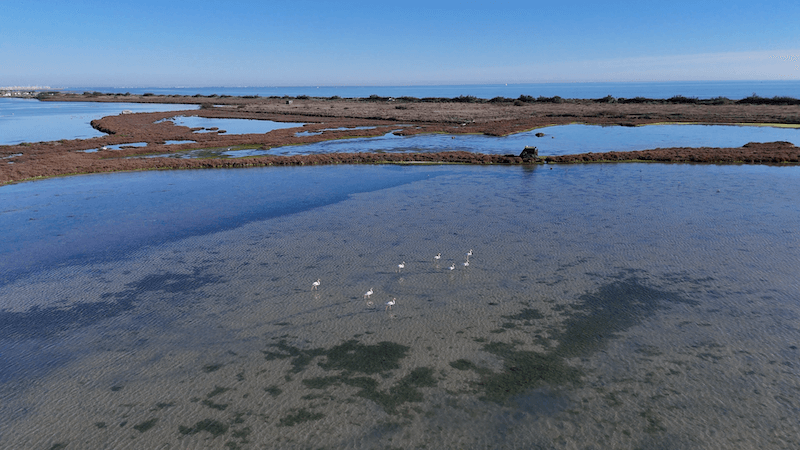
pixel 402 116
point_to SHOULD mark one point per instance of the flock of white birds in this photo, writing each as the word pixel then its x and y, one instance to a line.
pixel 315 285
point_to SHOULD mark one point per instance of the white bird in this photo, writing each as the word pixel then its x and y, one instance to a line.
pixel 401 266
pixel 315 284
pixel 390 303
pixel 466 263
pixel 452 266
pixel 469 253
pixel 369 292
pixel 438 256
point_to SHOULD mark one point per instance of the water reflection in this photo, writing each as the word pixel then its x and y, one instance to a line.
pixel 317 133
pixel 27 120
pixel 559 140
pixel 620 306
pixel 230 126
pixel 556 140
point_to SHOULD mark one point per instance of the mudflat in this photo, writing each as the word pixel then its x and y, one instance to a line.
pixel 337 118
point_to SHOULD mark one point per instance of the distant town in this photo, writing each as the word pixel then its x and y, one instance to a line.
pixel 22 91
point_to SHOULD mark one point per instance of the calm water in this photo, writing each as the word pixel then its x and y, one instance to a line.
pixel 613 306
pixel 231 126
pixel 558 140
pixel 26 120
pixel 701 89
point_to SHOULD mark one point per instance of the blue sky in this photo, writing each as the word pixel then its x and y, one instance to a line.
pixel 266 43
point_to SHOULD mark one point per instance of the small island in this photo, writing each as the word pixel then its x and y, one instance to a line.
pixel 340 118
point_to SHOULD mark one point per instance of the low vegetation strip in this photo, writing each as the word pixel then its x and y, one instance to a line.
pixel 337 118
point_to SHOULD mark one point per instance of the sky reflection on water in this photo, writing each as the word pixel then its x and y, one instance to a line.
pixel 558 140
pixel 630 304
pixel 231 126
pixel 615 305
pixel 26 120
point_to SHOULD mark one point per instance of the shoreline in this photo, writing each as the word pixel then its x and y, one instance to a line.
pixel 404 117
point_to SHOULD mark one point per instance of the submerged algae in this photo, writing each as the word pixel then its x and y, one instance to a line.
pixel 351 356
pixel 610 310
pixel 596 319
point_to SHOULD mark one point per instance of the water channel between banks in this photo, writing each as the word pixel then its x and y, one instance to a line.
pixel 555 140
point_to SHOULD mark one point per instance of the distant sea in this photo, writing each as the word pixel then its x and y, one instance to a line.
pixel 733 90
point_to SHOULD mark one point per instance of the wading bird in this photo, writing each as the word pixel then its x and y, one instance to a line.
pixel 401 266
pixel 315 285
pixel 390 303
pixel 369 292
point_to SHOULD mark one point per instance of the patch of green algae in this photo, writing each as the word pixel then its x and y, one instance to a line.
pixel 598 317
pixel 214 427
pixel 585 328
pixel 356 363
pixel 350 356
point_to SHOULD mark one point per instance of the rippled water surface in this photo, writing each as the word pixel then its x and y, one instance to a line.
pixel 613 306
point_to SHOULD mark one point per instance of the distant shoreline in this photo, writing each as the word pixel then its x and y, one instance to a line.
pixel 733 89
pixel 404 116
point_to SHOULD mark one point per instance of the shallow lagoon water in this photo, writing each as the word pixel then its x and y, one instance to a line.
pixel 618 306
pixel 557 140
pixel 26 120
pixel 231 126
pixel 317 133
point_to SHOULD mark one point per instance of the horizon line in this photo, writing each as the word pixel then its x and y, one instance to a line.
pixel 279 86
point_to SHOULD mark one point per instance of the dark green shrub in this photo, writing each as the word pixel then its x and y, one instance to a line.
pixel 757 100
pixel 467 99
pixel 634 100
pixel 683 100
pixel 501 100
pixel 720 101
pixel 606 99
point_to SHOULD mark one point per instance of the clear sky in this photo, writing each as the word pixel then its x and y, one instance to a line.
pixel 303 42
